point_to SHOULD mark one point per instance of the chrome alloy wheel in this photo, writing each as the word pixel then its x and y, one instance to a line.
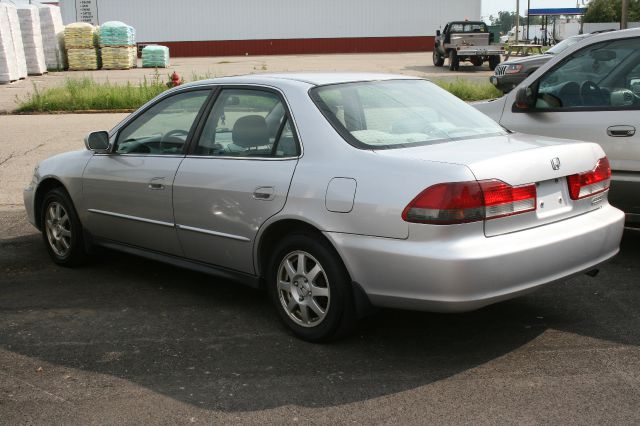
pixel 303 288
pixel 58 229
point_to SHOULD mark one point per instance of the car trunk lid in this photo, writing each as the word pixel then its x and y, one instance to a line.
pixel 518 159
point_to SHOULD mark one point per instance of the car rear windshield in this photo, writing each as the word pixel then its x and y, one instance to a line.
pixel 468 27
pixel 399 113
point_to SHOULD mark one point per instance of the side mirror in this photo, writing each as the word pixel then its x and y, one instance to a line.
pixel 97 141
pixel 438 33
pixel 525 100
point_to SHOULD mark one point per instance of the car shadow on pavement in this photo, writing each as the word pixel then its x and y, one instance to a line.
pixel 219 346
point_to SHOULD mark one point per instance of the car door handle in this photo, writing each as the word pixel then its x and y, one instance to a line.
pixel 264 193
pixel 156 184
pixel 621 131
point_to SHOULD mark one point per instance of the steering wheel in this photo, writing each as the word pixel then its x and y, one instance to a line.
pixel 174 136
pixel 591 94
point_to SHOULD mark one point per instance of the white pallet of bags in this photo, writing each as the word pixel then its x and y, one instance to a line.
pixel 16 36
pixel 32 39
pixel 52 30
pixel 8 63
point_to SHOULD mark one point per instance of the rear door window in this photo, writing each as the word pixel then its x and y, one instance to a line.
pixel 247 123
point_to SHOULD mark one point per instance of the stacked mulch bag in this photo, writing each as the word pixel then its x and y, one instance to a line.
pixel 155 55
pixel 117 45
pixel 80 39
pixel 52 30
pixel 13 65
pixel 8 63
pixel 32 39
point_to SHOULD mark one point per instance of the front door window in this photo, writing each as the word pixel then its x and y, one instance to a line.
pixel 603 76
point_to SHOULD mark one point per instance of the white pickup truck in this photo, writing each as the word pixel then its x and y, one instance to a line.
pixel 466 41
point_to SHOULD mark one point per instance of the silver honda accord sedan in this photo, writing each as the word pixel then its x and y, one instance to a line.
pixel 335 192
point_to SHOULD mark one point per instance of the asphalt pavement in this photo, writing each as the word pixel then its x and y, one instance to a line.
pixel 124 340
pixel 413 63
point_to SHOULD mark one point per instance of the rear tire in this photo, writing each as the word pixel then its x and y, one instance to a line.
pixel 310 288
pixel 438 59
pixel 494 61
pixel 61 229
pixel 454 61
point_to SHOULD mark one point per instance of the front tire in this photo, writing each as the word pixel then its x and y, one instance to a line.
pixel 494 61
pixel 310 288
pixel 61 229
pixel 438 60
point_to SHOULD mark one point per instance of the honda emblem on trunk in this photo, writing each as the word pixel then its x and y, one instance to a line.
pixel 555 163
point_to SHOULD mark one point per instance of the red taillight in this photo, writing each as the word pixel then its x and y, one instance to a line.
pixel 589 183
pixel 460 202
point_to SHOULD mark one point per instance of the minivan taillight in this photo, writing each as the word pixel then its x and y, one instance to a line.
pixel 589 183
pixel 460 202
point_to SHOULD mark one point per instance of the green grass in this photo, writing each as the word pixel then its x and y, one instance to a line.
pixel 86 94
pixel 468 90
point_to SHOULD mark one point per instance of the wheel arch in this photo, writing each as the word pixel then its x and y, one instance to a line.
pixel 275 231
pixel 46 185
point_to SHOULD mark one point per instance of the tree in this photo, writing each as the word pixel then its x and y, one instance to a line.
pixel 609 11
pixel 505 20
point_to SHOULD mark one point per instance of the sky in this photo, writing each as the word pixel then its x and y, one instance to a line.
pixel 492 7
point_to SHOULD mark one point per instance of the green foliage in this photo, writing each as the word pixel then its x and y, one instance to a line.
pixel 507 20
pixel 468 90
pixel 610 11
pixel 86 94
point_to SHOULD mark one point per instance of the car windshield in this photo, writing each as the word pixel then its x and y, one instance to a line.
pixel 563 45
pixel 399 113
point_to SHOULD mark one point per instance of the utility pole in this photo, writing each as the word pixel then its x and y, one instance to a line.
pixel 517 19
pixel 528 20
pixel 624 14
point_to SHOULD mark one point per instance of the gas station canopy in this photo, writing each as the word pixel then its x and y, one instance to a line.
pixel 557 11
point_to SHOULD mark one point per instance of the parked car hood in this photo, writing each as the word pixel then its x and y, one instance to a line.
pixel 529 60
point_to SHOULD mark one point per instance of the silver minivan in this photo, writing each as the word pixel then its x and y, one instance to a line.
pixel 590 92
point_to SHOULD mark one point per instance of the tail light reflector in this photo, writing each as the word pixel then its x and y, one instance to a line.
pixel 460 202
pixel 589 183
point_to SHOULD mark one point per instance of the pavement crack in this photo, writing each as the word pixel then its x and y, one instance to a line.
pixel 59 398
pixel 13 154
pixel 4 160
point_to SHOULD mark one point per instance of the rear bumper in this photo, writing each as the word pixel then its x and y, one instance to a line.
pixel 463 273
pixel 479 51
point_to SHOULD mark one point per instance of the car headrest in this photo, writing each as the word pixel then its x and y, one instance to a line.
pixel 250 131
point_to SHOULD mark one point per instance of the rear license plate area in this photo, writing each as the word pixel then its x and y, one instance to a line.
pixel 552 197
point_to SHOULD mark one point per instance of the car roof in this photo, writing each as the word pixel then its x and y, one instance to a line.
pixel 612 35
pixel 467 22
pixel 310 78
